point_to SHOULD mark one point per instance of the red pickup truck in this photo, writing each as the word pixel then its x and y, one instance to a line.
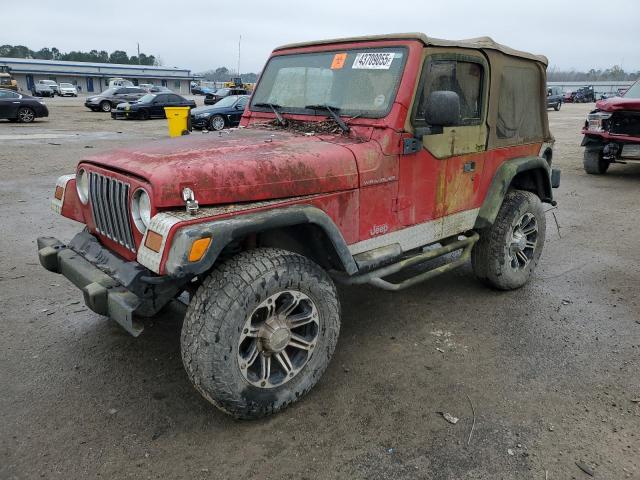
pixel 355 159
pixel 612 132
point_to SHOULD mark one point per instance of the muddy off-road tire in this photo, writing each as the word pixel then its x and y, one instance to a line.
pixel 507 253
pixel 593 162
pixel 261 307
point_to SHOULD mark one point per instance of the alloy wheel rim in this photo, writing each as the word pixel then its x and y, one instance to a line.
pixel 218 123
pixel 278 339
pixel 522 245
pixel 26 115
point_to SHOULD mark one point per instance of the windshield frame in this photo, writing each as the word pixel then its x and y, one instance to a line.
pixel 322 113
pixel 635 87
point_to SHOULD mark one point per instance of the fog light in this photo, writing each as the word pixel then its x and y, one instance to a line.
pixel 198 248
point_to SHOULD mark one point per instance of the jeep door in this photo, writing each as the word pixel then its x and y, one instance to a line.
pixel 443 177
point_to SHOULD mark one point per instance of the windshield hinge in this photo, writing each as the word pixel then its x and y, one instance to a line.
pixel 411 145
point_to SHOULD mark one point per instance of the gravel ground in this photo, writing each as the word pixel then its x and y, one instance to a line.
pixel 551 369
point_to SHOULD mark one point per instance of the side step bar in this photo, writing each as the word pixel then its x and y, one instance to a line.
pixel 375 277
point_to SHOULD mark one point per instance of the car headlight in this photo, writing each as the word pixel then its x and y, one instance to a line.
pixel 202 115
pixel 141 210
pixel 82 185
pixel 594 121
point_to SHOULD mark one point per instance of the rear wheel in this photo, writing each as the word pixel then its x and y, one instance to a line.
pixel 593 162
pixel 105 106
pixel 26 115
pixel 260 331
pixel 216 122
pixel 507 253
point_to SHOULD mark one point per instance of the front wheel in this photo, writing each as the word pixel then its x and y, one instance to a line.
pixel 260 331
pixel 105 106
pixel 216 123
pixel 593 162
pixel 143 115
pixel 26 115
pixel 557 106
pixel 507 253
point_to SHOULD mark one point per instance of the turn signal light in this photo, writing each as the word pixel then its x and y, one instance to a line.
pixel 153 241
pixel 198 248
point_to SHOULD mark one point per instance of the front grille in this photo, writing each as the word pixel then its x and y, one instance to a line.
pixel 110 208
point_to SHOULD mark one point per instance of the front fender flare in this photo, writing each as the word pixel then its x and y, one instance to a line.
pixel 225 230
pixel 502 181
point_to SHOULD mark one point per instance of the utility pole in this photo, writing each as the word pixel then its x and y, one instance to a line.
pixel 239 42
pixel 138 53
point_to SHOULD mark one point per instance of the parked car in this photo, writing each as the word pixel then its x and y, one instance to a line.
pixel 554 98
pixel 226 113
pixel 159 89
pixel 120 82
pixel 146 86
pixel 258 225
pixel 42 90
pixel 219 94
pixel 612 132
pixel 584 95
pixel 51 84
pixel 150 106
pixel 201 90
pixel 18 107
pixel 111 97
pixel 68 89
pixel 568 97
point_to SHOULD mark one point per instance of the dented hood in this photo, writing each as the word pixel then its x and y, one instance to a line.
pixel 240 166
pixel 615 104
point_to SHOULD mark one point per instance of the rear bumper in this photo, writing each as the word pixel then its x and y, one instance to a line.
pixel 127 289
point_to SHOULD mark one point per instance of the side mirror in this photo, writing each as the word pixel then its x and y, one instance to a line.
pixel 442 108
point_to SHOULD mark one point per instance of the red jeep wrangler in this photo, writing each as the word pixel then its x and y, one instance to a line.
pixel 355 159
pixel 612 132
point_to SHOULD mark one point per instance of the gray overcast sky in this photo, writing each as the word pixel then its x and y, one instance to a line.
pixel 204 34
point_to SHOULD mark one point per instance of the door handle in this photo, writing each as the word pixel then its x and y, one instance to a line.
pixel 469 167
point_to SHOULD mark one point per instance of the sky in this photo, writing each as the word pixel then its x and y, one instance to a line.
pixel 204 34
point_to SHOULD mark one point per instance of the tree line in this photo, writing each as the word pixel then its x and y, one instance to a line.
pixel 223 74
pixel 615 73
pixel 102 56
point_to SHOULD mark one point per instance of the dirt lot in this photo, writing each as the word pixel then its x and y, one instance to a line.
pixel 551 369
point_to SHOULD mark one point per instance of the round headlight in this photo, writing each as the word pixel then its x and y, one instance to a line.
pixel 82 185
pixel 141 209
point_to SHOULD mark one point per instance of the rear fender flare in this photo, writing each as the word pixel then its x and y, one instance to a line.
pixel 503 179
pixel 226 230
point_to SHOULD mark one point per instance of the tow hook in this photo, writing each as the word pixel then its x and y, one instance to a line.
pixel 190 201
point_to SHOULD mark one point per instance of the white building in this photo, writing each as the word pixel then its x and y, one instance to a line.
pixel 94 77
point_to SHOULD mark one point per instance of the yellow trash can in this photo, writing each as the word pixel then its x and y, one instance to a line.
pixel 178 120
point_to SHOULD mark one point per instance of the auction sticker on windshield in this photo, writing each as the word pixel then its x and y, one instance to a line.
pixel 373 60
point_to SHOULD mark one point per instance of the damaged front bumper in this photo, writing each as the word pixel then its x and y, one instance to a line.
pixel 110 285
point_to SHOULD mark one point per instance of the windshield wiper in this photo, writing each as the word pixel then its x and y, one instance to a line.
pixel 274 107
pixel 332 111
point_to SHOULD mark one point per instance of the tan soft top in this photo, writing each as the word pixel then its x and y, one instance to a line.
pixel 482 43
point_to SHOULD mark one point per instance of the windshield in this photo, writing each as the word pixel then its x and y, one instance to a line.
pixel 226 101
pixel 356 82
pixel 48 82
pixel 148 98
pixel 634 91
pixel 109 91
pixel 66 85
